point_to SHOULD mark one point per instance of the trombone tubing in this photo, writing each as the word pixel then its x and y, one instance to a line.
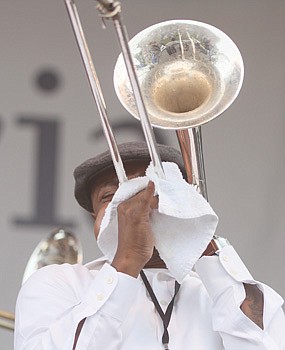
pixel 113 10
pixel 95 88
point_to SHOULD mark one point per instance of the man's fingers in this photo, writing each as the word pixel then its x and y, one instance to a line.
pixel 150 189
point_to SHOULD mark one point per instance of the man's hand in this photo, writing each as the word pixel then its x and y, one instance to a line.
pixel 135 237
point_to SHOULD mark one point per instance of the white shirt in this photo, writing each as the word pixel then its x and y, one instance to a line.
pixel 120 314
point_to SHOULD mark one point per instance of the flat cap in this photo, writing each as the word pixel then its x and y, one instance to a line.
pixel 85 174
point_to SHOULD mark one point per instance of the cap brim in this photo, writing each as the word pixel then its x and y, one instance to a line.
pixel 85 174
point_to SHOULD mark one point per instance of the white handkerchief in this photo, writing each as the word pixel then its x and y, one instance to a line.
pixel 183 225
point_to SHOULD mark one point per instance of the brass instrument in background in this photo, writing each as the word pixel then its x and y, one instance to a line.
pixel 61 246
pixel 7 320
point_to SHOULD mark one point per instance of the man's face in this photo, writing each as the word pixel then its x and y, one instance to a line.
pixel 106 186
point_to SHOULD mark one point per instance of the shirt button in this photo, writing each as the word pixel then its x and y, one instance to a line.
pixel 225 258
pixel 100 296
pixel 110 280
pixel 163 302
pixel 233 272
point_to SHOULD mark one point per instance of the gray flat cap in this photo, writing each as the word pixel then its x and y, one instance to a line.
pixel 85 174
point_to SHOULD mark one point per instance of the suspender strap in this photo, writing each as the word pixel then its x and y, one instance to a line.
pixel 78 330
pixel 164 316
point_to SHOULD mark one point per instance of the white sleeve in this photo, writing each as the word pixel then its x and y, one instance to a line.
pixel 56 298
pixel 223 277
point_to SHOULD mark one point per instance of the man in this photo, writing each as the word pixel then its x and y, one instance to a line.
pixel 113 305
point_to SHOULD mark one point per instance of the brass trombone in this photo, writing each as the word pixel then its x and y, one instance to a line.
pixel 173 75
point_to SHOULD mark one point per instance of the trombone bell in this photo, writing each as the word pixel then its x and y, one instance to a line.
pixel 189 73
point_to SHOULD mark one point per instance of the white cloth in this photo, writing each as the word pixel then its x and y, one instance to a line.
pixel 121 316
pixel 183 225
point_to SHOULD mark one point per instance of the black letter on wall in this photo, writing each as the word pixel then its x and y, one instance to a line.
pixel 46 173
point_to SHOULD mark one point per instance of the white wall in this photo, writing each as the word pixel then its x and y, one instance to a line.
pixel 244 148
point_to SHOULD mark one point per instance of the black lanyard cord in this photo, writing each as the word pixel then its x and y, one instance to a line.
pixel 164 316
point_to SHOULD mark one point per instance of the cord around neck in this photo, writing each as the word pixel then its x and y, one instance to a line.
pixel 164 316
